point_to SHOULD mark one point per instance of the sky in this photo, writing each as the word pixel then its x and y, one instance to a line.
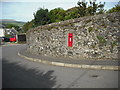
pixel 22 10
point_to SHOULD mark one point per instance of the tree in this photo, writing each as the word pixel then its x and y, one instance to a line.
pixel 28 26
pixel 82 8
pixel 13 26
pixel 90 9
pixel 57 14
pixel 115 9
pixel 41 17
pixel 100 8
pixel 72 13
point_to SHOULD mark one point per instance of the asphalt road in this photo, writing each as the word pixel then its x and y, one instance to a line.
pixel 20 73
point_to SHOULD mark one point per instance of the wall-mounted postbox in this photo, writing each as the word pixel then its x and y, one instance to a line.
pixel 70 39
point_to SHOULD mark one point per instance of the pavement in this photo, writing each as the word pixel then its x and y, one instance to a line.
pixel 72 63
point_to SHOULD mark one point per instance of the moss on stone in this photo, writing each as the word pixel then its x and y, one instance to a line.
pixel 101 39
pixel 87 21
pixel 90 29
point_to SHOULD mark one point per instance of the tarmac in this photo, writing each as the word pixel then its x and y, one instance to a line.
pixel 72 63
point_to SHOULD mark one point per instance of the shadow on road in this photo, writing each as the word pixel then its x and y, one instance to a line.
pixel 15 76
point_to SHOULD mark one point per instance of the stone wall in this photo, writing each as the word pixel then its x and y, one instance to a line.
pixel 93 37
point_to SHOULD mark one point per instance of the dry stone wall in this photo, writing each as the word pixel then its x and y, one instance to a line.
pixel 93 37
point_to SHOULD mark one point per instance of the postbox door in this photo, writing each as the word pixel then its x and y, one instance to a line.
pixel 70 40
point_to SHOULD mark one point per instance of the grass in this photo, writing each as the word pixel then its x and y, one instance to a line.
pixel 22 42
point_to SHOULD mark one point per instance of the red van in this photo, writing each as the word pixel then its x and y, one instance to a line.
pixel 13 39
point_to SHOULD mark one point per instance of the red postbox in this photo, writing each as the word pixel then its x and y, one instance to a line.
pixel 70 39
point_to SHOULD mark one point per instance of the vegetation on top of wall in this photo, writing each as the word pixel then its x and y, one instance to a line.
pixel 115 9
pixel 28 26
pixel 44 16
